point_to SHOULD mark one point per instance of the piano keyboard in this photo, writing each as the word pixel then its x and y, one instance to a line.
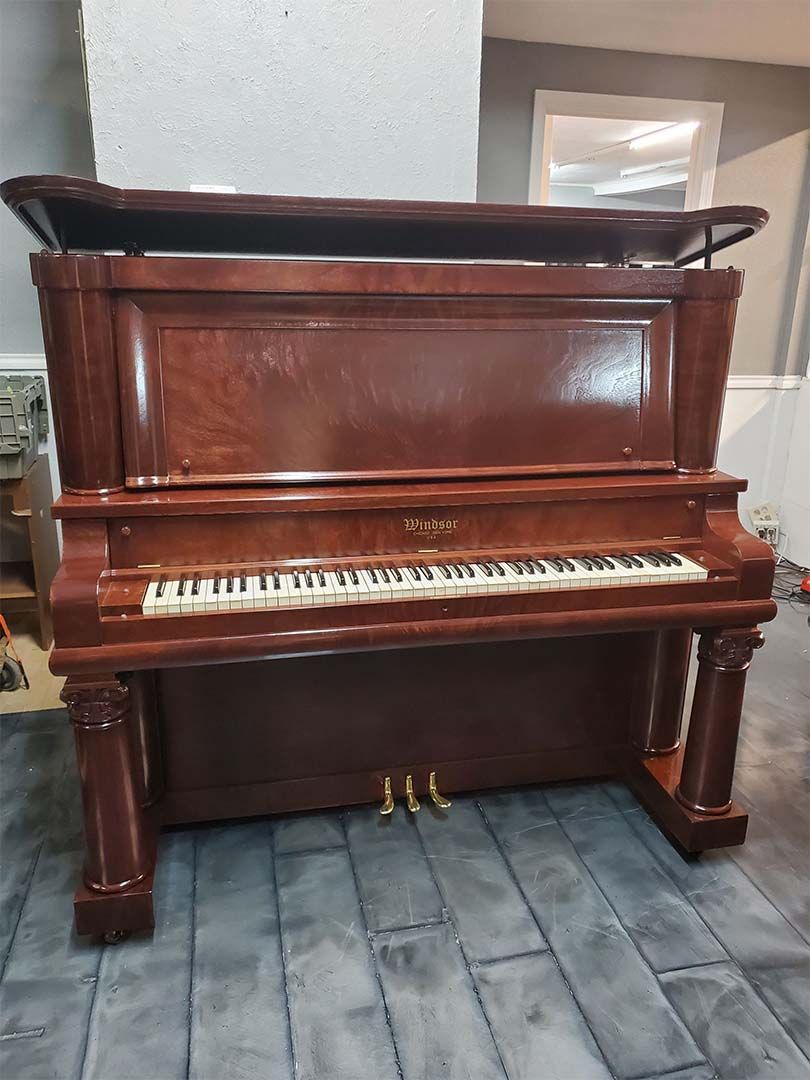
pixel 186 593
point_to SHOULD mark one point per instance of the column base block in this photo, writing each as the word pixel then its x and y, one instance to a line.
pixel 653 781
pixel 101 913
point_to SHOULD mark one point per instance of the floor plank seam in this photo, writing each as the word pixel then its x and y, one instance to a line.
pixel 765 896
pixel 470 976
pixel 370 939
pixel 309 851
pixel 632 941
pixel 34 864
pixel 511 956
pixel 285 981
pixel 731 956
pixel 409 926
pixel 192 950
pixel 88 1027
pixel 551 952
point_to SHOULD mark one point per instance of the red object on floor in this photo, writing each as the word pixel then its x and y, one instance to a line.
pixel 805 585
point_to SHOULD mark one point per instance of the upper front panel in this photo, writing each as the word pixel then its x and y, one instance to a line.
pixel 236 389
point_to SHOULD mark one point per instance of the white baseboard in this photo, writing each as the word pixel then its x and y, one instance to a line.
pixel 34 362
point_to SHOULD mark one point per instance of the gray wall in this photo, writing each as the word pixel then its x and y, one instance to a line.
pixel 43 129
pixel 763 160
pixel 340 97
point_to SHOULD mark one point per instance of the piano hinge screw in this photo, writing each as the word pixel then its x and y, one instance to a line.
pixel 627 451
pixel 126 531
pixel 186 464
pixel 691 504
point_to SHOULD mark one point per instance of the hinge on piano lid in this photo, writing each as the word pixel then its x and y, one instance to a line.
pixel 131 248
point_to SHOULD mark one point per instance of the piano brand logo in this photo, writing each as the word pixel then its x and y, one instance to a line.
pixel 430 526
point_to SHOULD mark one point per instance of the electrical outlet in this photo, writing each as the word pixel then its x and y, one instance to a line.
pixel 765 523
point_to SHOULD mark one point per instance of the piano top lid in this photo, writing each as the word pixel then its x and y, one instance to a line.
pixel 68 213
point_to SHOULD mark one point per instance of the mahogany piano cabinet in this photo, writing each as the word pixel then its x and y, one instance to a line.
pixel 385 501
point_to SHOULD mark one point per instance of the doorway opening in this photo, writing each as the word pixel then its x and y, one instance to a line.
pixel 601 150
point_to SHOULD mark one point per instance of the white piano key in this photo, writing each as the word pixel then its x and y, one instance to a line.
pixel 162 602
pixel 186 599
pixel 150 597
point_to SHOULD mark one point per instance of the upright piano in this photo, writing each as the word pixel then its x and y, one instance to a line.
pixel 382 501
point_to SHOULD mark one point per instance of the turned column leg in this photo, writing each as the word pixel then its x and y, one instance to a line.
pixel 144 735
pixel 118 854
pixel 661 691
pixel 708 764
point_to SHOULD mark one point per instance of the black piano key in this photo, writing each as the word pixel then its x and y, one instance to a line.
pixel 263 581
pixel 608 562
pixel 674 558
pixel 308 578
pixel 159 591
pixel 427 572
pixel 195 585
pixel 468 570
pixel 597 562
pixel 456 570
pixel 243 582
pixel 355 580
pixel 583 560
pixel 413 572
pixel 622 560
pixel 445 571
pixel 635 561
pixel 397 574
pixel 181 588
pixel 229 584
pixel 664 557
pixel 385 576
pixel 540 566
pixel 556 563
pixel 296 579
pixel 488 569
pixel 341 578
pixel 650 558
pixel 527 565
pixel 569 565
pixel 276 580
pixel 499 570
pixel 322 579
pixel 516 567
pixel 372 573
pixel 216 584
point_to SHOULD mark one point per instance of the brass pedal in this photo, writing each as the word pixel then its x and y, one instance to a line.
pixel 410 798
pixel 388 797
pixel 433 791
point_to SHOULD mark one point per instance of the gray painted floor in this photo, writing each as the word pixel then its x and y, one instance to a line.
pixel 543 934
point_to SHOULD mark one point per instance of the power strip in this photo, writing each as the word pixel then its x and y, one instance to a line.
pixel 765 523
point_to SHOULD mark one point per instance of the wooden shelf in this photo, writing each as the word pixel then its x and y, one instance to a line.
pixel 17 581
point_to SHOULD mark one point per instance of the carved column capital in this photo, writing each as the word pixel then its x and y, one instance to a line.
pixel 95 703
pixel 730 650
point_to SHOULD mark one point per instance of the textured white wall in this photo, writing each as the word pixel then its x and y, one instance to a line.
pixel 364 98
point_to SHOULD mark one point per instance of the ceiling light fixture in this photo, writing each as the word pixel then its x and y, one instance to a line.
pixel 639 183
pixel 638 169
pixel 664 134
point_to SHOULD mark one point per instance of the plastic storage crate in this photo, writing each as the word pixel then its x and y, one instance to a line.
pixel 23 422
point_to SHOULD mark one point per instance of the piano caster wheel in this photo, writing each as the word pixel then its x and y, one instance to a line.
pixel 115 937
pixel 388 798
pixel 410 798
pixel 433 791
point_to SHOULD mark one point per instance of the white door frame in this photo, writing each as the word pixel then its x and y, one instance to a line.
pixel 705 144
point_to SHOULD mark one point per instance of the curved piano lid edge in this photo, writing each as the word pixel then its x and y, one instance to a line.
pixel 48 204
